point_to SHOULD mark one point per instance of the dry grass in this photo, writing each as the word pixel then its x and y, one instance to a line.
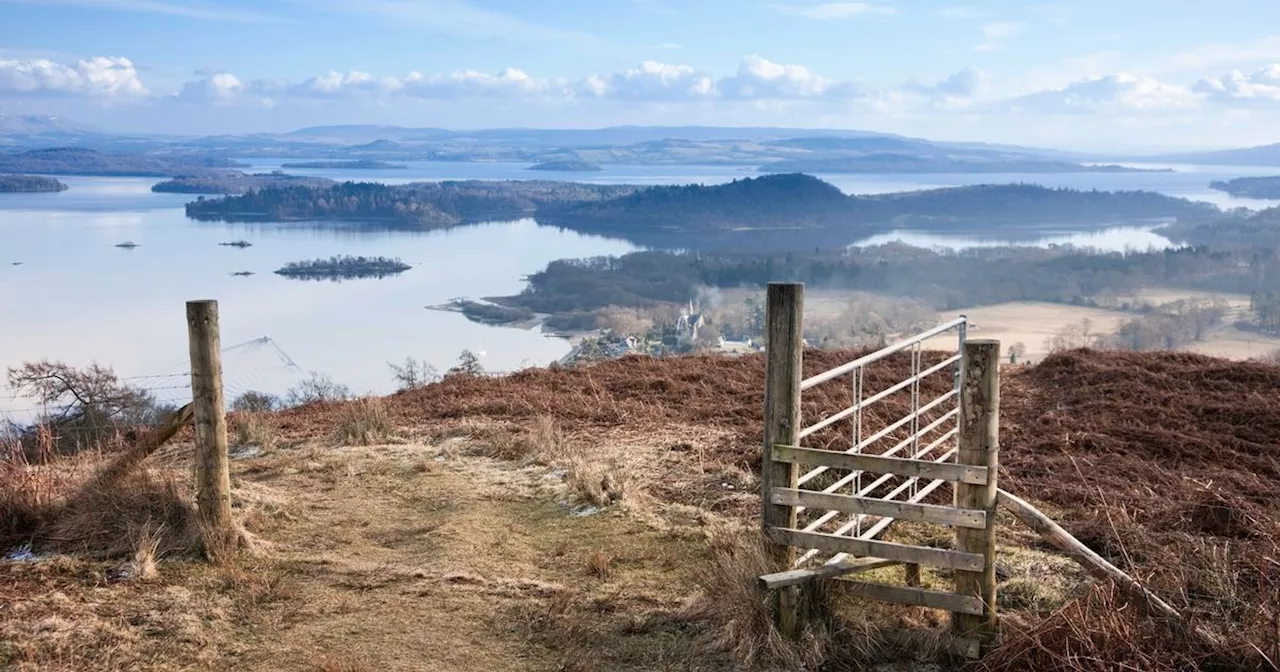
pixel 600 564
pixel 364 422
pixel 254 429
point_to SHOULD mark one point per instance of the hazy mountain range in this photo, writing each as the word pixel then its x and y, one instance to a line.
pixel 774 149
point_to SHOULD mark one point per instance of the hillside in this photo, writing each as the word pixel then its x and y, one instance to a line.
pixel 600 518
pixel 1264 155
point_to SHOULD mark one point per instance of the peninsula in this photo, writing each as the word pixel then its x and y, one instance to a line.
pixel 1250 187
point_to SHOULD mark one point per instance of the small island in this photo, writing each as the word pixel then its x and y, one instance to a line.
pixel 1250 187
pixel 242 274
pixel 234 182
pixel 128 245
pixel 29 184
pixel 237 243
pixel 343 268
pixel 359 164
pixel 568 166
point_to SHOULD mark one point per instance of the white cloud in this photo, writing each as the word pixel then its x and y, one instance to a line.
pixel 1116 93
pixel 100 76
pixel 762 79
pixel 652 81
pixel 510 82
pixel 1262 85
pixel 966 83
pixel 833 10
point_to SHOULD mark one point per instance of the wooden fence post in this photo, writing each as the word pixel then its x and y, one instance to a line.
pixel 979 444
pixel 784 350
pixel 213 479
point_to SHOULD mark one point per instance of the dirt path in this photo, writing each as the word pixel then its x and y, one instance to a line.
pixel 413 558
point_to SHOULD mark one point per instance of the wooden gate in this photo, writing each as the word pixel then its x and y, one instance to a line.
pixel 824 521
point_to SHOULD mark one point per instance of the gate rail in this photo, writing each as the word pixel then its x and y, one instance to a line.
pixel 949 440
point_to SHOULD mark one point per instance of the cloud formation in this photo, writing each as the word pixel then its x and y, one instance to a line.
pixel 101 76
pixel 1259 86
pixel 1118 93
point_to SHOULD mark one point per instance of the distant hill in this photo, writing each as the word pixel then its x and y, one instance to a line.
pixel 568 166
pixel 1250 187
pixel 79 161
pixel 40 124
pixel 1264 155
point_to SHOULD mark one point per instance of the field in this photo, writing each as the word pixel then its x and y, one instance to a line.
pixel 601 518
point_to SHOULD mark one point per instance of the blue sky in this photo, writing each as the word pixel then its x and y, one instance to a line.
pixel 1089 73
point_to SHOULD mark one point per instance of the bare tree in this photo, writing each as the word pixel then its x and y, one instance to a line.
pixel 253 401
pixel 413 374
pixel 318 387
pixel 83 405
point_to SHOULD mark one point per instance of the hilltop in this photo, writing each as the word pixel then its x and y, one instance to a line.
pixel 600 518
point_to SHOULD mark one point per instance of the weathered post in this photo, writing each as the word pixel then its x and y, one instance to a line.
pixel 979 443
pixel 213 479
pixel 783 356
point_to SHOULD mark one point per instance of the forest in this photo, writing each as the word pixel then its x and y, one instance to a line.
pixel 575 289
pixel 1240 228
pixel 1250 187
pixel 418 205
pixel 235 182
pixel 26 184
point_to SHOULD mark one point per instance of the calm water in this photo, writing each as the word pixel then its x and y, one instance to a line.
pixel 78 298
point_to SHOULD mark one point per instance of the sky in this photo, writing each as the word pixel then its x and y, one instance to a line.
pixel 1087 74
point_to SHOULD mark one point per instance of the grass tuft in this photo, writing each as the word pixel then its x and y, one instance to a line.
pixel 364 422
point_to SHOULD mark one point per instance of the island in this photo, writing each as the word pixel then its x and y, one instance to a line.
pixel 567 166
pixel 237 243
pixel 772 212
pixel 29 184
pixel 235 182
pixel 128 245
pixel 419 205
pixel 1250 187
pixel 358 164
pixel 79 161
pixel 343 268
pixel 792 212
